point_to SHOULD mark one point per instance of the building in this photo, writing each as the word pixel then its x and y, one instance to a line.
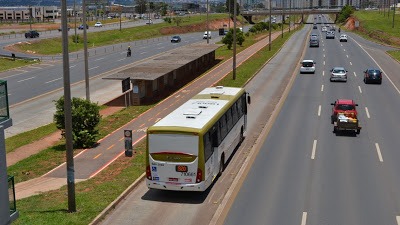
pixel 25 13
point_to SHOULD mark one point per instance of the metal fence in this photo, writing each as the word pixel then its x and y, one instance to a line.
pixel 11 195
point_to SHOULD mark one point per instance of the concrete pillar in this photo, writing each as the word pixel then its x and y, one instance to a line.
pixel 4 200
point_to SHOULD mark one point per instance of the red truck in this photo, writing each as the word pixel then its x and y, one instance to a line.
pixel 344 115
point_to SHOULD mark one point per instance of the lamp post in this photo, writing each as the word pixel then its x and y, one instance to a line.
pixel 290 11
pixel 234 42
pixel 208 41
pixel 269 38
pixel 85 50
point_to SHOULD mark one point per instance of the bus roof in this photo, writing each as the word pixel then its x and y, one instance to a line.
pixel 200 110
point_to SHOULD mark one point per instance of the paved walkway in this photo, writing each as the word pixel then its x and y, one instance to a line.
pixel 58 177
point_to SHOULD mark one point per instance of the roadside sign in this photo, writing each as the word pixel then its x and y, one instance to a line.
pixel 128 143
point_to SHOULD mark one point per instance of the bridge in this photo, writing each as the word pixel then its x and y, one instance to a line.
pixel 296 11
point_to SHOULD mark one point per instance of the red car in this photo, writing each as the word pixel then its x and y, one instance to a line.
pixel 345 106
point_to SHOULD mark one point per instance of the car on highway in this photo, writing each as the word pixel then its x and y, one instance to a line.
pixel 324 29
pixel 338 74
pixel 175 39
pixel 315 27
pixel 98 24
pixel 372 76
pixel 330 35
pixel 314 41
pixel 60 28
pixel 343 38
pixel 82 26
pixel 207 33
pixel 307 66
pixel 32 34
pixel 345 106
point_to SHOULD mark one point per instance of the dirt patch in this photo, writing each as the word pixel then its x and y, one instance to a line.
pixel 378 35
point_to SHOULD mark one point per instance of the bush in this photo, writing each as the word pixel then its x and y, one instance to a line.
pixel 85 118
pixel 168 19
pixel 345 13
pixel 228 39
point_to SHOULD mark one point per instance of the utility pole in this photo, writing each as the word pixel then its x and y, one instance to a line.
pixel 283 16
pixel 30 17
pixel 394 12
pixel 67 111
pixel 234 41
pixel 208 34
pixel 269 38
pixel 76 37
pixel 85 50
pixel 290 12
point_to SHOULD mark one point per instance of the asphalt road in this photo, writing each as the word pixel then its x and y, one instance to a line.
pixel 144 206
pixel 304 173
pixel 33 89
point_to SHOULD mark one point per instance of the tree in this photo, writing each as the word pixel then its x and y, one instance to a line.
pixel 230 5
pixel 141 6
pixel 345 13
pixel 228 39
pixel 177 20
pixel 85 118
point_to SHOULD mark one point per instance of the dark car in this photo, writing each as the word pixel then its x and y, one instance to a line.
pixel 32 34
pixel 372 76
pixel 81 27
pixel 60 29
pixel 175 39
pixel 315 26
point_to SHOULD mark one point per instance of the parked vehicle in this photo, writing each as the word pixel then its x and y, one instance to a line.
pixel 60 28
pixel 373 76
pixel 32 34
pixel 344 116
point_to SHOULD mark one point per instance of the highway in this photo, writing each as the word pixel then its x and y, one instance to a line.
pixel 33 89
pixel 303 173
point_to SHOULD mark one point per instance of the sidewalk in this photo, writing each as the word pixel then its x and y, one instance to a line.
pixel 45 183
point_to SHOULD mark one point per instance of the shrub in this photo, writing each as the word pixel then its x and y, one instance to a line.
pixel 85 118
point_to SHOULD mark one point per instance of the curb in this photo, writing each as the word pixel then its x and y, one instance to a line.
pixel 121 197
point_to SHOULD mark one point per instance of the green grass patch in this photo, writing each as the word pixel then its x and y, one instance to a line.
pixel 53 46
pixel 93 195
pixel 8 63
pixel 395 55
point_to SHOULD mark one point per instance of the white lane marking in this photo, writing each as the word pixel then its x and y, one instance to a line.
pixel 159 43
pixel 355 74
pixel 322 87
pixel 323 49
pixel 304 218
pixel 319 110
pixel 53 80
pixel 324 55
pixel 160 47
pixel 387 77
pixel 314 148
pixel 35 67
pixel 341 45
pixel 351 63
pixel 323 73
pixel 98 59
pixel 398 220
pixel 72 66
pixel 344 50
pixel 26 79
pixel 93 68
pixel 378 150
pixel 21 70
pixel 121 59
pixel 347 56
pixel 366 110
pixel 324 62
pixel 143 53
pixel 359 88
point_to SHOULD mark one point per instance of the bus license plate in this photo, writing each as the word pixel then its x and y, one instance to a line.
pixel 181 168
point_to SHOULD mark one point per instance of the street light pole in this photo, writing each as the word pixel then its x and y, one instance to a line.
pixel 208 41
pixel 85 50
pixel 234 41
pixel 290 12
pixel 67 111
pixel 269 38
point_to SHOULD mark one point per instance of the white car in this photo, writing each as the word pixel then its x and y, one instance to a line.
pixel 324 29
pixel 205 35
pixel 343 37
pixel 307 66
pixel 338 74
pixel 98 24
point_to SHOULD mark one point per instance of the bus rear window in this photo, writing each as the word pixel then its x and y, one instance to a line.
pixel 174 143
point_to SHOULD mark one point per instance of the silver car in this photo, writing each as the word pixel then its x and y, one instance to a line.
pixel 338 74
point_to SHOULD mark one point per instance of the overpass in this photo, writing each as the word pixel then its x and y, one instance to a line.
pixel 296 11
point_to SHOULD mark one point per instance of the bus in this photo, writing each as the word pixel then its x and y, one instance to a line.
pixel 188 149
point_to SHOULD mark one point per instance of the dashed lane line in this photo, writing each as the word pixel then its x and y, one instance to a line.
pixel 366 111
pixel 314 148
pixel 378 150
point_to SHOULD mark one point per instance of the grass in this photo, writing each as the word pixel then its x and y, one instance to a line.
pixel 93 195
pixel 377 27
pixel 95 39
pixel 8 63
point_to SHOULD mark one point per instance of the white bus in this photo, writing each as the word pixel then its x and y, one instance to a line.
pixel 188 148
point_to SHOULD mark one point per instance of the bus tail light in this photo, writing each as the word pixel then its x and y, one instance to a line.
pixel 148 172
pixel 199 175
